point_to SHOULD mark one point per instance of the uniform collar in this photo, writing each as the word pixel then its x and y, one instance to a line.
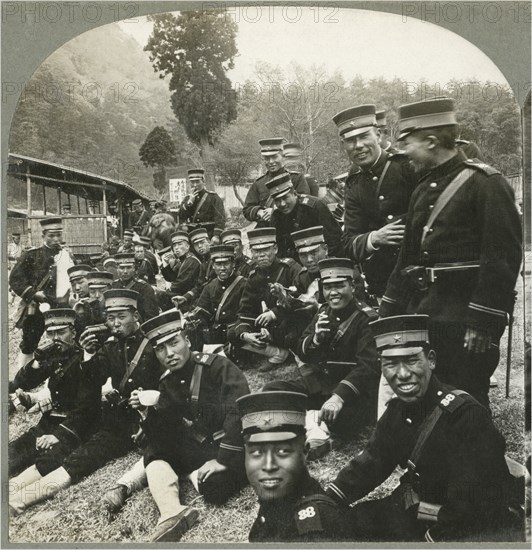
pixel 343 314
pixel 229 279
pixel 445 169
pixel 377 168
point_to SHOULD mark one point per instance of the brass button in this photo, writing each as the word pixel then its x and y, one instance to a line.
pixel 374 178
pixel 381 197
pixel 431 206
pixel 433 184
pixel 390 216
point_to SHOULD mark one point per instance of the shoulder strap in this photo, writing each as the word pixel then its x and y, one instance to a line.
pixel 200 204
pixel 342 329
pixel 383 173
pixel 195 384
pixel 226 295
pixel 424 432
pixel 132 365
pixel 445 197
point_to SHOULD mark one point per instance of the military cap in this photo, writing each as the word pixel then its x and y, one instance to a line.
pixel 198 235
pixel 78 271
pixel 231 236
pixel 222 252
pixel 161 328
pixel 431 113
pixel 272 415
pixel 125 258
pixel 95 257
pixel 179 236
pixel 401 335
pixel 52 224
pixel 99 279
pixel 152 202
pixel 262 238
pixel 333 270
pixel 128 233
pixel 57 319
pixel 292 150
pixel 308 239
pixel 271 146
pixel 355 120
pixel 136 202
pixel 341 177
pixel 381 119
pixel 280 185
pixel 196 173
pixel 144 241
pixel 16 234
pixel 120 299
pixel 137 229
pixel 111 261
pixel 164 250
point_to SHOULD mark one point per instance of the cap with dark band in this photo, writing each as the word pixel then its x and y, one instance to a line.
pixel 426 114
pixel 280 185
pixel 231 236
pixel 381 119
pixel 179 236
pixel 120 299
pixel 164 250
pixel 99 279
pixel 144 241
pixel 110 262
pixel 355 120
pixel 128 233
pixel 196 174
pixel 57 319
pixel 95 257
pixel 308 239
pixel 333 270
pixel 52 224
pixel 292 150
pixel 16 234
pixel 136 202
pixel 125 259
pixel 262 238
pixel 78 271
pixel 271 146
pixel 272 415
pixel 163 327
pixel 401 335
pixel 198 235
pixel 222 252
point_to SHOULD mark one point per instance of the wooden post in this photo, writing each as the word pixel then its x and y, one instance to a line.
pixel 44 198
pixel 120 203
pixel 104 212
pixel 59 207
pixel 79 206
pixel 28 203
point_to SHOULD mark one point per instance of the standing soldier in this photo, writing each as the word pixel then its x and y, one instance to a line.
pixel 140 217
pixel 182 270
pixel 130 361
pixel 70 412
pixel 258 206
pixel 377 194
pixel 294 163
pixel 35 279
pixel 294 212
pixel 202 205
pixel 127 279
pixel 462 250
pixel 382 125
pixel 260 327
pixel 243 264
pixel 14 250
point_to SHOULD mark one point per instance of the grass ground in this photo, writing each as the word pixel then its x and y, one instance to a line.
pixel 76 515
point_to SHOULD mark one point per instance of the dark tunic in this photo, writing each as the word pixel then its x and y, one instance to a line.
pixel 211 209
pixel 147 302
pixel 184 275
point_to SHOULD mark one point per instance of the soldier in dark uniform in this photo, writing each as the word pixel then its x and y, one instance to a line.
pixel 340 372
pixel 91 310
pixel 216 310
pixel 143 266
pixel 70 412
pixel 127 278
pixel 377 194
pixel 34 279
pixel 382 125
pixel 148 254
pixel 293 505
pixel 140 217
pixel 462 250
pixel 243 264
pixel 457 486
pixel 265 332
pixel 127 242
pixel 130 361
pixel 79 288
pixel 334 197
pixel 294 163
pixel 258 206
pixel 192 427
pixel 294 212
pixel 202 205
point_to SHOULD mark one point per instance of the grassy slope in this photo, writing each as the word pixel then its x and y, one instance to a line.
pixel 75 514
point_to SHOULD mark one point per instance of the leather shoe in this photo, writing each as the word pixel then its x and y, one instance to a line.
pixel 115 498
pixel 172 529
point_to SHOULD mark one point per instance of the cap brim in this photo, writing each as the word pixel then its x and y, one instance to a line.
pixel 99 285
pixel 356 132
pixel 264 437
pixel 401 351
pixel 309 247
pixel 335 279
pixel 282 193
pixel 261 246
pixel 57 327
pixel 166 337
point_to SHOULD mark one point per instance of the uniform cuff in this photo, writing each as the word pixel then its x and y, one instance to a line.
pixel 346 390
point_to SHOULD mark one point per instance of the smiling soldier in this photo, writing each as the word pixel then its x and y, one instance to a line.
pixel 293 506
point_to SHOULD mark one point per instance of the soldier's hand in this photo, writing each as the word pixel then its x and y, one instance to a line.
pixel 40 296
pixel 210 467
pixel 390 234
pixel 266 318
pixel 476 341
pixel 253 338
pixel 89 342
pixel 266 214
pixel 134 399
pixel 178 300
pixel 331 409
pixel 322 329
pixel 46 442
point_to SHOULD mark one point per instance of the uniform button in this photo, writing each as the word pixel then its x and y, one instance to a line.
pixel 182 381
pixel 390 216
pixel 374 178
pixel 381 197
pixel 431 206
pixel 130 380
pixel 433 184
pixel 262 519
pixel 440 392
pixel 431 230
pixel 425 253
pixel 409 421
pixel 223 312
